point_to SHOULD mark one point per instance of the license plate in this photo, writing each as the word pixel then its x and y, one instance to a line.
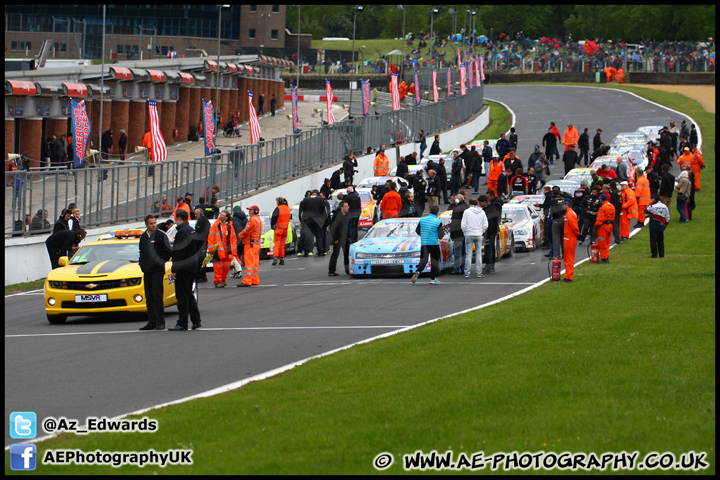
pixel 91 298
pixel 390 261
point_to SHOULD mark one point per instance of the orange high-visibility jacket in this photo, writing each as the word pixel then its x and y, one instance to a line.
pixel 252 231
pixel 219 235
pixel 571 229
pixel 642 191
pixel 391 204
pixel 685 160
pixel 570 136
pixel 606 213
pixel 381 165
pixel 496 168
pixel 629 203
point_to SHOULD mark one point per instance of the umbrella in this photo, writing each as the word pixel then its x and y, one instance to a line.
pixel 591 48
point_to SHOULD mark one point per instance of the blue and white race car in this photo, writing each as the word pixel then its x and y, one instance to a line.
pixel 391 247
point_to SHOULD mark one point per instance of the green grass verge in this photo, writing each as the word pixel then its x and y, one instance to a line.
pixel 500 122
pixel 623 359
pixel 24 287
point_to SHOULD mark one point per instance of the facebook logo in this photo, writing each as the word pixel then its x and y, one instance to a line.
pixel 23 456
pixel 23 425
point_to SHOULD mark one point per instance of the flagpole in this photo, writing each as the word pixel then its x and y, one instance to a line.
pixel 102 88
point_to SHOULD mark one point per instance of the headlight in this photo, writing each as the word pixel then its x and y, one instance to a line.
pixel 363 255
pixel 56 284
pixel 134 281
pixel 520 231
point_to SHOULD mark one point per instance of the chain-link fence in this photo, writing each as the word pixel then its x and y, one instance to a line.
pixel 111 194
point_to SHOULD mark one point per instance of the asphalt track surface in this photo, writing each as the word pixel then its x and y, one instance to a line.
pixel 106 367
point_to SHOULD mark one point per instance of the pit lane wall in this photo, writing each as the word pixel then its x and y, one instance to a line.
pixel 26 258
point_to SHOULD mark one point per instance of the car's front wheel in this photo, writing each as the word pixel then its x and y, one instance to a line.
pixel 57 319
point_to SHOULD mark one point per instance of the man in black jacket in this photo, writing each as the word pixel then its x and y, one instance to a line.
pixel 402 168
pixel 584 144
pixel 667 185
pixel 335 182
pixel 570 158
pixel 349 164
pixel 442 180
pixel 435 147
pixel 202 229
pixel 419 188
pixel 456 172
pixel 502 147
pixel 458 208
pixel 314 212
pixel 60 243
pixel 492 206
pixel 106 143
pixel 339 236
pixel 616 201
pixel 355 209
pixel 184 270
pixel 549 141
pixel 597 141
pixel 487 154
pixel 155 250
pixel 590 205
pixel 62 222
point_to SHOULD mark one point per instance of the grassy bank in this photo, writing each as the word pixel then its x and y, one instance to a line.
pixel 623 359
pixel 500 122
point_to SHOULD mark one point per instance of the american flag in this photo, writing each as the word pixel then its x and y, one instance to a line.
pixel 434 86
pixel 462 79
pixel 482 69
pixel 159 151
pixel 395 92
pixel 254 124
pixel 477 71
pixel 329 94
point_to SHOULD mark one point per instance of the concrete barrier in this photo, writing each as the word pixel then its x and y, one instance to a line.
pixel 26 258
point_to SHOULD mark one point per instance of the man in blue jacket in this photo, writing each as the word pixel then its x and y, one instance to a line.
pixel 431 230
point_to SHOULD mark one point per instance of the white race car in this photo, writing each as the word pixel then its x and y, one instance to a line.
pixel 527 225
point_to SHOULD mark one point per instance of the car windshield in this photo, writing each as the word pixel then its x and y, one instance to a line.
pixel 365 197
pixel 110 251
pixel 393 229
pixel 577 176
pixel 515 214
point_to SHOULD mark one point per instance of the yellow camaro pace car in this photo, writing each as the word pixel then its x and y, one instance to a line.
pixel 102 277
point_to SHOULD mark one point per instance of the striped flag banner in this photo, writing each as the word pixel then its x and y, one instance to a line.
pixel 462 80
pixel 470 75
pixel 417 89
pixel 329 94
pixel 159 150
pixel 254 123
pixel 436 96
pixel 294 100
pixel 477 71
pixel 395 92
pixel 482 69
pixel 365 89
pixel 80 131
pixel 208 126
pixel 449 82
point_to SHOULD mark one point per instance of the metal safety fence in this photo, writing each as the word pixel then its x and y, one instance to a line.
pixel 109 194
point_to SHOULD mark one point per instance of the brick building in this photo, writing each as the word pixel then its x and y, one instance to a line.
pixel 37 102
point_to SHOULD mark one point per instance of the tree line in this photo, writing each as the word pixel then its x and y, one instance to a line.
pixel 631 23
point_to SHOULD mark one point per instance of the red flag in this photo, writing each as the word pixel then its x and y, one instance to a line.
pixel 395 92
pixel 254 123
pixel 329 94
pixel 159 150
